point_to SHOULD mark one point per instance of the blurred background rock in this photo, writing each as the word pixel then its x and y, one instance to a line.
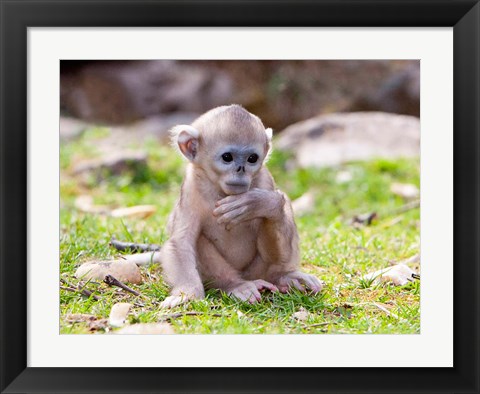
pixel 137 98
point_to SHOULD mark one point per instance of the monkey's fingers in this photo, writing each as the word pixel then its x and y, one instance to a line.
pixel 231 215
pixel 246 292
pixel 310 281
pixel 313 284
pixel 234 217
pixel 291 280
pixel 249 297
pixel 253 299
pixel 263 284
pixel 296 283
pixel 225 205
pixel 234 199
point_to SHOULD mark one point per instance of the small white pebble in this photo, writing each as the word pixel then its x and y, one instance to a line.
pixel 118 314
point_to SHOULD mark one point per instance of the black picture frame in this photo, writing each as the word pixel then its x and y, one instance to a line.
pixel 18 15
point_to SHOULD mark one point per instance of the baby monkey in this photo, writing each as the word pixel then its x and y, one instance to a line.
pixel 231 229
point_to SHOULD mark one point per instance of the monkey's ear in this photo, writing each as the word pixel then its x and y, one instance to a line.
pixel 269 133
pixel 268 146
pixel 186 139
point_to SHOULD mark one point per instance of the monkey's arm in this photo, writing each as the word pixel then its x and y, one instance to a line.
pixel 277 238
pixel 256 203
pixel 179 261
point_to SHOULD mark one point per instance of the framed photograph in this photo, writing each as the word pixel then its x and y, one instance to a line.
pixel 311 69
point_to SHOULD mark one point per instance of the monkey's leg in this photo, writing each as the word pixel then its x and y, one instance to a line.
pixel 281 275
pixel 179 263
pixel 282 263
pixel 278 248
pixel 219 274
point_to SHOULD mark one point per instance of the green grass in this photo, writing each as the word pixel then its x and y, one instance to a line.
pixel 332 248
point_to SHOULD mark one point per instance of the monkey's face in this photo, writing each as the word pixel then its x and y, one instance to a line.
pixel 236 166
pixel 227 146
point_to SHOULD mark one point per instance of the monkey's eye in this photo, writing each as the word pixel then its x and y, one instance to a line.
pixel 253 158
pixel 227 157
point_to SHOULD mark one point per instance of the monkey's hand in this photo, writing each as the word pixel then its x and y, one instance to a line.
pixel 250 291
pixel 256 203
pixel 299 281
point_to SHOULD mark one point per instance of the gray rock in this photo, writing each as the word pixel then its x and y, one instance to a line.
pixel 71 128
pixel 118 92
pixel 155 126
pixel 400 93
pixel 329 140
pixel 116 163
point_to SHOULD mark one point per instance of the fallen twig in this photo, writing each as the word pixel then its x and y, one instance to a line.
pixel 68 289
pixel 326 323
pixel 404 208
pixel 382 308
pixel 112 281
pixel 85 292
pixel 365 219
pixel 133 247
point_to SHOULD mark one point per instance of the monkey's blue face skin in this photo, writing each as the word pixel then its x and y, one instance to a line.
pixel 237 165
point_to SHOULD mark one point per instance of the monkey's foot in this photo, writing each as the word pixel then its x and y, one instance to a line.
pixel 299 281
pixel 264 285
pixel 175 300
pixel 250 291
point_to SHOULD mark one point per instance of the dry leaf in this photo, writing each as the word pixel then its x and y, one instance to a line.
pixel 99 324
pixel 139 211
pixel 79 317
pixel 92 321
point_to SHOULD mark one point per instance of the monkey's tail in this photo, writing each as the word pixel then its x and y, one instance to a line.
pixel 133 247
pixel 142 259
pixel 147 253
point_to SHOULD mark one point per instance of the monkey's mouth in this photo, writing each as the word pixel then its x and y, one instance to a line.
pixel 236 187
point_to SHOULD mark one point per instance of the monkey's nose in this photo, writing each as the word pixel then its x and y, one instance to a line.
pixel 241 168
